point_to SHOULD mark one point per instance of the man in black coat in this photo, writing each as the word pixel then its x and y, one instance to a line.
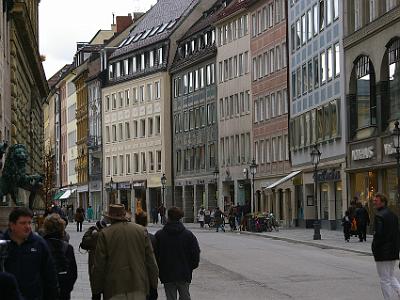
pixel 385 247
pixel 362 218
pixel 178 254
pixel 29 258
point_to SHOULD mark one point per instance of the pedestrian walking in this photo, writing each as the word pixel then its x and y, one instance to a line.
pixel 385 247
pixel 219 219
pixel 346 223
pixel 161 211
pixel 79 217
pixel 362 219
pixel 201 216
pixel 178 254
pixel 29 258
pixel 63 254
pixel 88 243
pixel 124 263
pixel 141 219
pixel 89 213
pixel 154 215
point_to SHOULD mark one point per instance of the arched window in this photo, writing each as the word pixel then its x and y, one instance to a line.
pixel 365 93
pixel 394 79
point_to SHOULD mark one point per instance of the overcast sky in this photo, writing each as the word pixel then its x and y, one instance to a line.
pixel 63 23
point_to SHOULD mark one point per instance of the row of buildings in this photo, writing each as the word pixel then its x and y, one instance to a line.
pixel 196 91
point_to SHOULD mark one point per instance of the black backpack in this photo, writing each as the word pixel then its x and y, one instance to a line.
pixel 58 250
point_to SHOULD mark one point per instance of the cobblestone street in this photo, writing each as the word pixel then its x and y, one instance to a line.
pixel 280 265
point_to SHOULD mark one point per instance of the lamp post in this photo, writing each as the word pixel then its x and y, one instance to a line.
pixel 253 172
pixel 216 175
pixel 163 182
pixel 111 191
pixel 396 144
pixel 315 158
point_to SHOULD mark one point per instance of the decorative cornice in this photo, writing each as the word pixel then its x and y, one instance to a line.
pixel 372 28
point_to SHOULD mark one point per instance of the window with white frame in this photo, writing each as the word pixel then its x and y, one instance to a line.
pixel 128 163
pixel 143 161
pixel 158 125
pixel 323 67
pixel 271 14
pixel 157 85
pixel 142 128
pixel 127 130
pixel 115 165
pixel 135 163
pixel 303 29
pixel 141 93
pixel 330 63
pixel 121 165
pixel 309 24
pixel 151 126
pixel 114 133
pixel 329 12
pixel 108 166
pixel 120 132
pixel 315 19
pixel 337 60
pixel 114 101
pixel 108 134
pixel 271 60
pixel 267 151
pixel 151 161
pixel 273 105
pixel 321 15
pixel 159 162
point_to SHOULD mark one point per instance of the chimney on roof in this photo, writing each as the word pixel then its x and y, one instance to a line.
pixel 123 22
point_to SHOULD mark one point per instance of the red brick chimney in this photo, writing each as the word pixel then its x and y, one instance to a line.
pixel 123 22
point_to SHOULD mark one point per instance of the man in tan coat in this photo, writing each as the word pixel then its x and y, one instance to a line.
pixel 124 264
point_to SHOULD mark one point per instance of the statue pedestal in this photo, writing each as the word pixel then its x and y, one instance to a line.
pixel 4 213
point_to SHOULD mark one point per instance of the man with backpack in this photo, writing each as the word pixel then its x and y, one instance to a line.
pixel 89 242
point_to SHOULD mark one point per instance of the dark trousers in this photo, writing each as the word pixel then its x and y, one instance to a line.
pixel 362 232
pixel 172 289
pixel 79 226
pixel 201 224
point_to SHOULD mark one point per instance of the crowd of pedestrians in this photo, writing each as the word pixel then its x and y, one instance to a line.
pixel 125 260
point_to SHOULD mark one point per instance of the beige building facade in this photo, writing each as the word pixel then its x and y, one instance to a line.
pixel 234 105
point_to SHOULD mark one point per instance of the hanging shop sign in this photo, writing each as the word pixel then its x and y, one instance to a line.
pixel 363 153
pixel 329 175
pixel 138 184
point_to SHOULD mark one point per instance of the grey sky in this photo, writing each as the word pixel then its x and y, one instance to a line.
pixel 63 23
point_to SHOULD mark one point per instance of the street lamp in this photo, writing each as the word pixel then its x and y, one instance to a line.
pixel 112 191
pixel 163 182
pixel 253 171
pixel 315 158
pixel 396 144
pixel 216 174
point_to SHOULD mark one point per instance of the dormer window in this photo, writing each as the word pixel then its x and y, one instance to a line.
pixel 151 59
pixel 160 56
pixel 111 71
pixel 134 67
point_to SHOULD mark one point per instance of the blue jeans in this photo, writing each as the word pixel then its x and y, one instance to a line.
pixel 221 226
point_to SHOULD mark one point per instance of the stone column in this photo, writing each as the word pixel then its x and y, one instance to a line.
pixel 188 203
pixel 147 200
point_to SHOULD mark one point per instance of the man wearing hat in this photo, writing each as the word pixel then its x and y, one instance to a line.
pixel 124 263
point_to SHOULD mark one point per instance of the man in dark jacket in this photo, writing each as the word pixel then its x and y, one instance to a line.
pixel 362 219
pixel 178 254
pixel 385 247
pixel 29 258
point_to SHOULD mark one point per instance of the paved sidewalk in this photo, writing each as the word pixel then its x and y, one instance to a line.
pixel 330 239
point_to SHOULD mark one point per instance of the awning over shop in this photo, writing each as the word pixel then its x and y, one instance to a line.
pixel 284 179
pixel 67 194
pixel 58 195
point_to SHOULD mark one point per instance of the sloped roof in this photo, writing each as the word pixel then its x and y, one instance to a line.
pixel 206 20
pixel 156 25
pixel 233 7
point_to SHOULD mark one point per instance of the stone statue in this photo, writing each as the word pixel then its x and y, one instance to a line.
pixel 14 175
